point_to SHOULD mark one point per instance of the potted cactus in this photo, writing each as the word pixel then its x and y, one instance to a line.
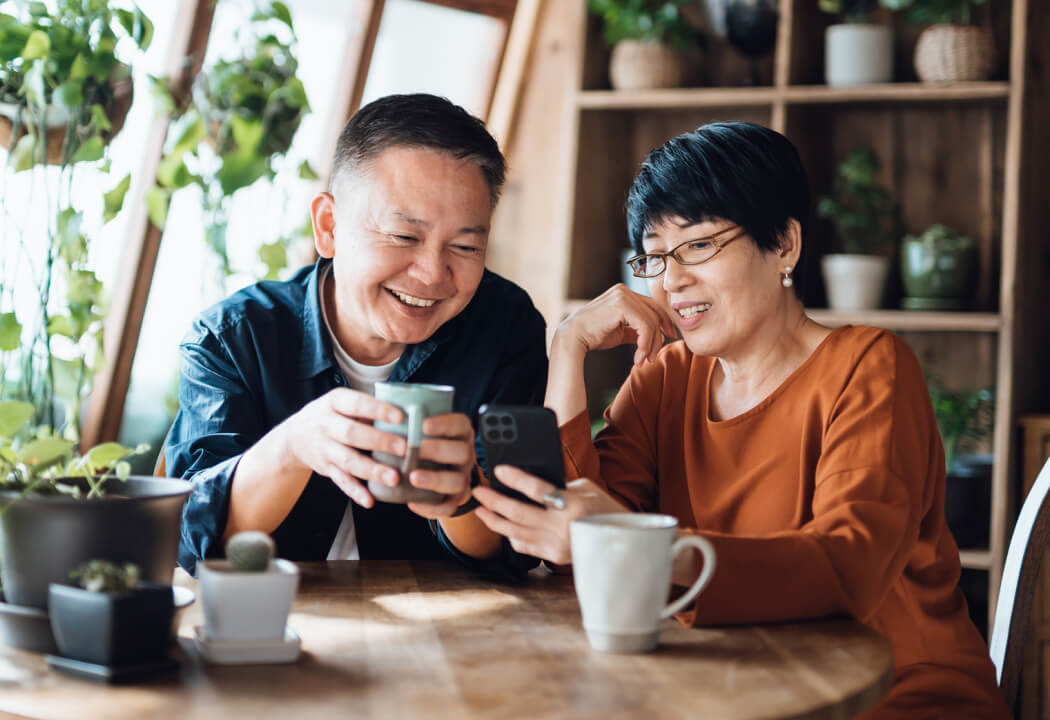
pixel 247 598
pixel 937 269
pixel 111 621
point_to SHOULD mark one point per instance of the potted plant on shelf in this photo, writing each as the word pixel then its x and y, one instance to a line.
pixel 236 129
pixel 937 269
pixel 112 621
pixel 951 49
pixel 964 419
pixel 651 42
pixel 247 598
pixel 856 51
pixel 862 213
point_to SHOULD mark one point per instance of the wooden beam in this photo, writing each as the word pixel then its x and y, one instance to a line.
pixel 513 66
pixel 105 407
pixel 364 56
pixel 502 9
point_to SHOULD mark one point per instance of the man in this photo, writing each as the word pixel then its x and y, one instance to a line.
pixel 275 425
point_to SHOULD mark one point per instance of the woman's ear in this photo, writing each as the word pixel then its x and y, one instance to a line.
pixel 322 212
pixel 791 243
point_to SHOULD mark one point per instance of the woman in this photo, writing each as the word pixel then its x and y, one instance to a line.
pixel 809 457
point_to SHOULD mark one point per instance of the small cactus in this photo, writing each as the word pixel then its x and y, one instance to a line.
pixel 249 551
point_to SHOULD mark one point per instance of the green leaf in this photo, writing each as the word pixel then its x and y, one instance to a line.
pixel 161 93
pixel 70 94
pixel 80 68
pixel 37 46
pixel 38 9
pixel 22 155
pixel 122 469
pixel 115 198
pixel 44 451
pixel 247 133
pixel 173 174
pixel 60 325
pixel 69 221
pixel 104 455
pixel 93 149
pixel 10 331
pixel 275 256
pixel 280 11
pixel 157 206
pixel 144 32
pixel 240 170
pixel 83 287
pixel 13 416
pixel 191 132
pixel 101 120
pixel 306 172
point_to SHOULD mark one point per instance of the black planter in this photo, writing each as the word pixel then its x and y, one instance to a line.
pixel 112 629
pixel 967 497
pixel 43 538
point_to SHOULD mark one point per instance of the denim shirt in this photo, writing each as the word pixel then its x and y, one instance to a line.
pixel 258 357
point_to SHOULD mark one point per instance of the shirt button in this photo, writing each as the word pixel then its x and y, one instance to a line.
pixel 338 378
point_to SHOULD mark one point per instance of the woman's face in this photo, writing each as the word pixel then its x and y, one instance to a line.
pixel 723 304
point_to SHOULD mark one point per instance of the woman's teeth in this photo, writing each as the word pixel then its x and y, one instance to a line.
pixel 688 312
pixel 412 300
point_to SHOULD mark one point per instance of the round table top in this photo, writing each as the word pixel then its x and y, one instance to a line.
pixel 403 639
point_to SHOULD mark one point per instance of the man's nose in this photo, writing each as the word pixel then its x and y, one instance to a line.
pixel 430 265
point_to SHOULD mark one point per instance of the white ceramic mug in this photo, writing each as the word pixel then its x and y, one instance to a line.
pixel 621 565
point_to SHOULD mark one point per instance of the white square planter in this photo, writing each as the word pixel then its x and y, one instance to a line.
pixel 247 606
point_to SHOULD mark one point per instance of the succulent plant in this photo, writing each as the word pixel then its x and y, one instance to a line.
pixel 249 551
pixel 106 576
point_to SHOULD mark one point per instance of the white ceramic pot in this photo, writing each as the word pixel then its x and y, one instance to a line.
pixel 854 282
pixel 858 54
pixel 246 606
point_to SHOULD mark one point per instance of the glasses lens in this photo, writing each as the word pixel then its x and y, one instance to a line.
pixel 695 252
pixel 647 266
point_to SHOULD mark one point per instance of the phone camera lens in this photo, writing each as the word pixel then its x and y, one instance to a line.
pixel 508 434
pixel 492 435
pixel 491 420
pixel 507 420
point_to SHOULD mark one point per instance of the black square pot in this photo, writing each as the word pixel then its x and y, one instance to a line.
pixel 113 629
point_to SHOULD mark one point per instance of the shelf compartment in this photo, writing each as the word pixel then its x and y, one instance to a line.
pixel 898 92
pixel 675 98
pixel 910 320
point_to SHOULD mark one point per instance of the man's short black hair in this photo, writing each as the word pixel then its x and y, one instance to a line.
pixel 736 171
pixel 418 120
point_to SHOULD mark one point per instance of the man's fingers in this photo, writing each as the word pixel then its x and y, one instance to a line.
pixel 459 453
pixel 446 482
pixel 353 403
pixel 351 462
pixel 352 487
pixel 357 434
pixel 450 425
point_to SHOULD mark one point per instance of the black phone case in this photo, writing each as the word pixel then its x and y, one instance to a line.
pixel 525 436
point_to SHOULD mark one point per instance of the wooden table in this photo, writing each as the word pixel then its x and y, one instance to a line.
pixel 404 640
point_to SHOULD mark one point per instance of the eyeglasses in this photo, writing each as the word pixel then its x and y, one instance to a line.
pixel 691 252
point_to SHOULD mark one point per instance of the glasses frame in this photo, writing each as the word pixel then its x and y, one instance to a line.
pixel 673 252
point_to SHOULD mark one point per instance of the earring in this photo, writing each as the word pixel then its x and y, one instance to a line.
pixel 785 278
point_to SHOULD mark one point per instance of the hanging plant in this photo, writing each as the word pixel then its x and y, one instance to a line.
pixel 237 129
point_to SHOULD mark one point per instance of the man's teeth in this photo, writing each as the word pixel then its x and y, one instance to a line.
pixel 412 300
pixel 688 312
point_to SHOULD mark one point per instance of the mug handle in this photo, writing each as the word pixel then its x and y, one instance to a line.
pixel 708 551
pixel 414 425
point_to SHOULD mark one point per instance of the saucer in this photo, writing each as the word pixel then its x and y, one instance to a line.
pixel 239 652
pixel 113 674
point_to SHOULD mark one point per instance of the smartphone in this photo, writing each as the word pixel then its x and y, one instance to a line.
pixel 526 437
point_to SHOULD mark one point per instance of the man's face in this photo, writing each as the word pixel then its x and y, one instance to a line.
pixel 407 235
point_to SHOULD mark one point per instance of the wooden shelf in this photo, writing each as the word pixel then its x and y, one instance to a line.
pixel 975 559
pixel 898 92
pixel 675 98
pixel 911 320
pixel 700 97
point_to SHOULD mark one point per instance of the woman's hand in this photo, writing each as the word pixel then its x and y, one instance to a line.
pixel 618 317
pixel 538 531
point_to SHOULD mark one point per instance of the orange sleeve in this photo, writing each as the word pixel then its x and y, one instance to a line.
pixel 880 461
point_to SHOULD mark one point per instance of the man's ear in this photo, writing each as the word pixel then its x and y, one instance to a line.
pixel 322 212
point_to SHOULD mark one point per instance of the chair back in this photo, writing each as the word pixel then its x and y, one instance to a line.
pixel 160 469
pixel 1017 588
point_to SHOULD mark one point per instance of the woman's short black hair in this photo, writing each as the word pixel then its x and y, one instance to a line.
pixel 736 171
pixel 418 120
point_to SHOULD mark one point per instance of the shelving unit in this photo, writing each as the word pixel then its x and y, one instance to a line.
pixel 954 153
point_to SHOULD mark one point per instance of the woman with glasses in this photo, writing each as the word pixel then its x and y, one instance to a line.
pixel 809 457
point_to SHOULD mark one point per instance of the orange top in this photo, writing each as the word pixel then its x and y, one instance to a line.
pixel 827 498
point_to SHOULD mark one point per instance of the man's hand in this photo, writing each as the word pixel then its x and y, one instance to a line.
pixel 333 436
pixel 451 443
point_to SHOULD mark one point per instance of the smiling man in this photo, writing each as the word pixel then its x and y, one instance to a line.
pixel 275 425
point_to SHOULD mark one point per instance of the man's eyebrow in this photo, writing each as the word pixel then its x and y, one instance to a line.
pixel 410 219
pixel 474 230
pixel 469 230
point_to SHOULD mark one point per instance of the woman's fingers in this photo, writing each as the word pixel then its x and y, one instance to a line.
pixel 513 510
pixel 529 485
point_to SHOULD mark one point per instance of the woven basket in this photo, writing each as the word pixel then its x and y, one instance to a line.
pixel 641 64
pixel 952 53
pixel 56 132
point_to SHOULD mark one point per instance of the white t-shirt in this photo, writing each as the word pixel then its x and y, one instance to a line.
pixel 362 378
